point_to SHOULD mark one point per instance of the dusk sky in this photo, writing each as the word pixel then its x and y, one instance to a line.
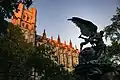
pixel 52 16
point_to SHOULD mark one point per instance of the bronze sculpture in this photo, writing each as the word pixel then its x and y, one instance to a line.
pixel 89 30
pixel 92 62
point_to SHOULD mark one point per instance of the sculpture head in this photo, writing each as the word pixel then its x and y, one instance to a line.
pixel 73 19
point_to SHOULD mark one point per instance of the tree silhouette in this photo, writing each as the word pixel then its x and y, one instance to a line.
pixel 113 31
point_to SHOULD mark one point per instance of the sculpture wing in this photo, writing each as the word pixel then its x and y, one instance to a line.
pixel 86 27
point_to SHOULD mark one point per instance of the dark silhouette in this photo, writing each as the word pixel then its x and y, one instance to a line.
pixel 87 28
pixel 93 64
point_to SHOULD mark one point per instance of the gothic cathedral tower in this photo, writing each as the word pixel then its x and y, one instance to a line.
pixel 26 19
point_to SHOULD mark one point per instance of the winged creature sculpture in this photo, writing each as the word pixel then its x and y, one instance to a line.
pixel 92 64
pixel 87 28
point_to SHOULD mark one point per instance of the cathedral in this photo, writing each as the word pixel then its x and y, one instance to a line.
pixel 63 53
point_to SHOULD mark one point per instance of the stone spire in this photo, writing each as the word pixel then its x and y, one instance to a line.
pixel 44 34
pixel 70 43
pixel 64 42
pixel 75 47
pixel 59 41
pixel 51 37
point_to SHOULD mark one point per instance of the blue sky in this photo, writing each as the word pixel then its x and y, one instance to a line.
pixel 52 16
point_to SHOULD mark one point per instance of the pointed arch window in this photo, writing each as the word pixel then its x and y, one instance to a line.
pixel 28 18
pixel 23 17
pixel 26 26
pixel 23 24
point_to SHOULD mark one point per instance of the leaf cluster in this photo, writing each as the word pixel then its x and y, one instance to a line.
pixel 113 31
pixel 7 7
pixel 18 59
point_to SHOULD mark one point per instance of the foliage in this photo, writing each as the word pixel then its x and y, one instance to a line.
pixel 7 7
pixel 46 66
pixel 19 60
pixel 114 49
pixel 113 31
pixel 13 54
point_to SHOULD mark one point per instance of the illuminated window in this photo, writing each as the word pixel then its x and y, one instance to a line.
pixel 23 16
pixel 28 18
pixel 23 24
pixel 26 26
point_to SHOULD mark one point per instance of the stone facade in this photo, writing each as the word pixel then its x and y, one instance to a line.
pixel 26 19
pixel 63 54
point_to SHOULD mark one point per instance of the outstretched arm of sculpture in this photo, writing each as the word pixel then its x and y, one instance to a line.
pixel 83 43
pixel 86 39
